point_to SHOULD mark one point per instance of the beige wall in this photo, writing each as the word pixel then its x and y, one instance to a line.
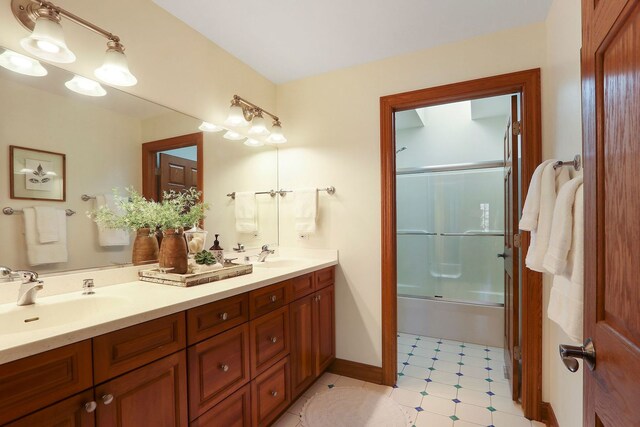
pixel 334 140
pixel 562 132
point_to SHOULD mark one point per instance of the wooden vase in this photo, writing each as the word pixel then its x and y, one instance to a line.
pixel 173 251
pixel 145 247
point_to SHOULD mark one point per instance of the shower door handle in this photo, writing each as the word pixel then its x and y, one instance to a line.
pixel 502 255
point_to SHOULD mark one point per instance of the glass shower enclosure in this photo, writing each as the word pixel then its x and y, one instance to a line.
pixel 450 228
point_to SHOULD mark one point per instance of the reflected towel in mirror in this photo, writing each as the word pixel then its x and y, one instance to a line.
pixel 110 236
pixel 45 253
pixel 246 212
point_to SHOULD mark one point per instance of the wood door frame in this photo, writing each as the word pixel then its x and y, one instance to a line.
pixel 150 151
pixel 528 84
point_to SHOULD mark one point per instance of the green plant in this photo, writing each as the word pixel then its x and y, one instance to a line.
pixel 133 212
pixel 181 209
pixel 205 257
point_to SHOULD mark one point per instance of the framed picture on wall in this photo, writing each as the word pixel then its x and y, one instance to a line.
pixel 37 174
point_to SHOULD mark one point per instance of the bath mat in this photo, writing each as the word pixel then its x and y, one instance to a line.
pixel 353 407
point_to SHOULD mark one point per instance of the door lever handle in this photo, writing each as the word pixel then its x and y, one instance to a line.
pixel 571 353
pixel 502 255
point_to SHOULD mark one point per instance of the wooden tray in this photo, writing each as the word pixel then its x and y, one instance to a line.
pixel 185 280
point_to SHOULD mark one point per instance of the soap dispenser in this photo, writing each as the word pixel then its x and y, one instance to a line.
pixel 217 251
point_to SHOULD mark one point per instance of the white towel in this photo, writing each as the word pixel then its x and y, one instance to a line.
pixel 305 210
pixel 45 253
pixel 550 182
pixel 561 239
pixel 531 208
pixel 566 302
pixel 246 212
pixel 111 236
pixel 47 224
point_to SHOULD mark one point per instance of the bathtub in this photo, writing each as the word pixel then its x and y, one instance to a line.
pixel 479 323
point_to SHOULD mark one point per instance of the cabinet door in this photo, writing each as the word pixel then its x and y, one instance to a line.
pixel 324 322
pixel 154 395
pixel 303 370
pixel 234 411
pixel 68 413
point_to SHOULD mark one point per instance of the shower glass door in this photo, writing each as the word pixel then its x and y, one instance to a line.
pixel 450 229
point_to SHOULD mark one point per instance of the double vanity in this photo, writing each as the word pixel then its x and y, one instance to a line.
pixel 236 352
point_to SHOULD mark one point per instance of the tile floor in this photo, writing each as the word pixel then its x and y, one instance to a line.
pixel 440 383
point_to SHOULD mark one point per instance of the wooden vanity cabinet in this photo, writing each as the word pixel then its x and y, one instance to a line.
pixel 312 333
pixel 248 356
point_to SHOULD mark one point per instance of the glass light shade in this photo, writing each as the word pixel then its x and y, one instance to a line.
pixel 115 70
pixel 85 86
pixel 233 136
pixel 236 117
pixel 276 136
pixel 253 142
pixel 47 42
pixel 21 64
pixel 258 126
pixel 210 127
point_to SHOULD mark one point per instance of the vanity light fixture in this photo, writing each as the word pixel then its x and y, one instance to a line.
pixel 85 86
pixel 243 112
pixel 19 63
pixel 46 41
pixel 210 127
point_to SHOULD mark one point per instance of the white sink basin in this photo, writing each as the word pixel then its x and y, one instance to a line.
pixel 279 263
pixel 54 312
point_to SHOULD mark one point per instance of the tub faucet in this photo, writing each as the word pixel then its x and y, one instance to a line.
pixel 262 256
pixel 29 287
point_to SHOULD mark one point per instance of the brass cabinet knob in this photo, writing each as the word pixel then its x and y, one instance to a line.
pixel 274 393
pixel 107 399
pixel 224 368
pixel 273 298
pixel 224 316
pixel 273 339
pixel 90 406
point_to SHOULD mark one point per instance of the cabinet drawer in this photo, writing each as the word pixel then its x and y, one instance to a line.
pixel 234 411
pixel 270 394
pixel 269 339
pixel 154 395
pixel 37 381
pixel 262 301
pixel 68 413
pixel 301 286
pixel 126 349
pixel 325 277
pixel 211 319
pixel 217 367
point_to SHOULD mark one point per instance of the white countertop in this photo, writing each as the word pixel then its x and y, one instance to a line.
pixel 121 305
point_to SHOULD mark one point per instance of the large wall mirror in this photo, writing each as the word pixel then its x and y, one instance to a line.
pixel 102 139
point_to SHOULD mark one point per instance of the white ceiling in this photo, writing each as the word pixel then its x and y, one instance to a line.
pixel 290 39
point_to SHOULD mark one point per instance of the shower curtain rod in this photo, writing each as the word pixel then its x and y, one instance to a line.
pixel 453 167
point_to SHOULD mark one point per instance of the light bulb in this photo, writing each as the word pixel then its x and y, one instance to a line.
pixel 233 136
pixel 47 39
pixel 276 136
pixel 21 64
pixel 236 116
pixel 253 142
pixel 115 69
pixel 85 86
pixel 210 127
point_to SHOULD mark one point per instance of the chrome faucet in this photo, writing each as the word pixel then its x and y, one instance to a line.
pixel 29 287
pixel 262 256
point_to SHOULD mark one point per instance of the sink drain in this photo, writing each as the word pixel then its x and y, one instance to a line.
pixel 31 319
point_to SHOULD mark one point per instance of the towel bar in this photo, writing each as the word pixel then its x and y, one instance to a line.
pixel 11 211
pixel 86 197
pixel 330 190
pixel 576 163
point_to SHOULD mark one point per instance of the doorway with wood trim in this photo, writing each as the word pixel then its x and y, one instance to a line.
pixel 522 288
pixel 172 164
